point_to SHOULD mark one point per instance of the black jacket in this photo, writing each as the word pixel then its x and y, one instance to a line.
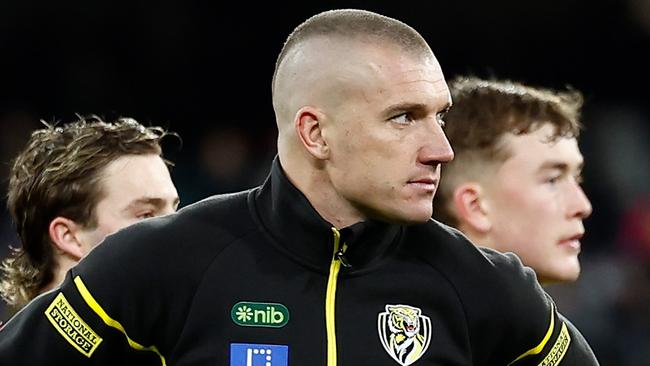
pixel 259 278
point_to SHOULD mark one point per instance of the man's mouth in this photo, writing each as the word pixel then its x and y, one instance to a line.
pixel 572 241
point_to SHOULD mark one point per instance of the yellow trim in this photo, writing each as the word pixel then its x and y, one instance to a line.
pixel 559 349
pixel 330 300
pixel 90 300
pixel 540 346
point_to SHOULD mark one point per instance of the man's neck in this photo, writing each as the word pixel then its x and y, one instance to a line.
pixel 61 266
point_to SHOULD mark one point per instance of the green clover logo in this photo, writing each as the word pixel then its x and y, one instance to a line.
pixel 244 313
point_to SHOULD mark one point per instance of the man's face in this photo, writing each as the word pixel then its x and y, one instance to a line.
pixel 135 187
pixel 385 136
pixel 536 205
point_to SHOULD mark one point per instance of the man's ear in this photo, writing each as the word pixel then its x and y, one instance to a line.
pixel 471 206
pixel 308 127
pixel 63 234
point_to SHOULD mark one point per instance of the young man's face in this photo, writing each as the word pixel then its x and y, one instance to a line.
pixel 536 206
pixel 135 187
pixel 385 136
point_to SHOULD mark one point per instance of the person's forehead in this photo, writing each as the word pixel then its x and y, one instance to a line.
pixel 133 176
pixel 380 74
pixel 545 150
pixel 397 75
pixel 133 164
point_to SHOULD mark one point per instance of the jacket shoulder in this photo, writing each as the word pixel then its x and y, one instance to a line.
pixel 212 221
pixel 505 306
pixel 177 248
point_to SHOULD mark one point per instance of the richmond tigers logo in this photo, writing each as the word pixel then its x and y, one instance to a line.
pixel 404 332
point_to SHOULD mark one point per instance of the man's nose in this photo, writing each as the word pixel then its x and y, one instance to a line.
pixel 580 205
pixel 436 148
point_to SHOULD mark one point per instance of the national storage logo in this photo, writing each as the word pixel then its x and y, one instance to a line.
pixel 259 314
pixel 70 325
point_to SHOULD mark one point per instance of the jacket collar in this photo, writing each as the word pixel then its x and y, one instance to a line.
pixel 301 232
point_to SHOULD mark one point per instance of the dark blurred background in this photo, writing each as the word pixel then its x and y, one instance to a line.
pixel 204 70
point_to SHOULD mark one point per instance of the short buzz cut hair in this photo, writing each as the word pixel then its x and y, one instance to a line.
pixel 354 23
pixel 58 173
pixel 483 113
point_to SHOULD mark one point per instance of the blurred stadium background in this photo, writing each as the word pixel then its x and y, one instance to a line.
pixel 203 69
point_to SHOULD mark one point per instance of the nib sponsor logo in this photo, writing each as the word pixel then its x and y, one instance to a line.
pixel 259 314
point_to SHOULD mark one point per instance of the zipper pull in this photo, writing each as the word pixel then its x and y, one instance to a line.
pixel 340 255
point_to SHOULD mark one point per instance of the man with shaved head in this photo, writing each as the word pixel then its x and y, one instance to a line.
pixel 334 260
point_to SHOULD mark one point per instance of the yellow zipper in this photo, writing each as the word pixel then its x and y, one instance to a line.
pixel 330 299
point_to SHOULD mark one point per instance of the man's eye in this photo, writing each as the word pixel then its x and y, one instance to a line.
pixel 553 179
pixel 145 215
pixel 402 119
pixel 440 117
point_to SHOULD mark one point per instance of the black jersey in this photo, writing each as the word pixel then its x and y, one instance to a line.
pixel 258 278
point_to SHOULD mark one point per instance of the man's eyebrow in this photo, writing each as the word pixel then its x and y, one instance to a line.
pixel 154 201
pixel 560 165
pixel 407 106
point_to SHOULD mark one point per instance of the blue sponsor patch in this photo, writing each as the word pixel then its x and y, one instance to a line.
pixel 249 354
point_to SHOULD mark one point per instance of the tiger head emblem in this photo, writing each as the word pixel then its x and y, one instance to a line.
pixel 404 332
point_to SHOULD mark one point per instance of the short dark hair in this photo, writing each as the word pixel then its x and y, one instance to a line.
pixel 351 23
pixel 57 174
pixel 484 111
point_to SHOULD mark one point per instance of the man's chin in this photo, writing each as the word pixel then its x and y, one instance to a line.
pixel 412 218
pixel 565 276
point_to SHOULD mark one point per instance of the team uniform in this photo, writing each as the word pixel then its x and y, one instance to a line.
pixel 258 278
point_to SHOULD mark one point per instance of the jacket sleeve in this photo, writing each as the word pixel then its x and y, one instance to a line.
pixel 59 328
pixel 534 332
pixel 123 304
pixel 562 344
